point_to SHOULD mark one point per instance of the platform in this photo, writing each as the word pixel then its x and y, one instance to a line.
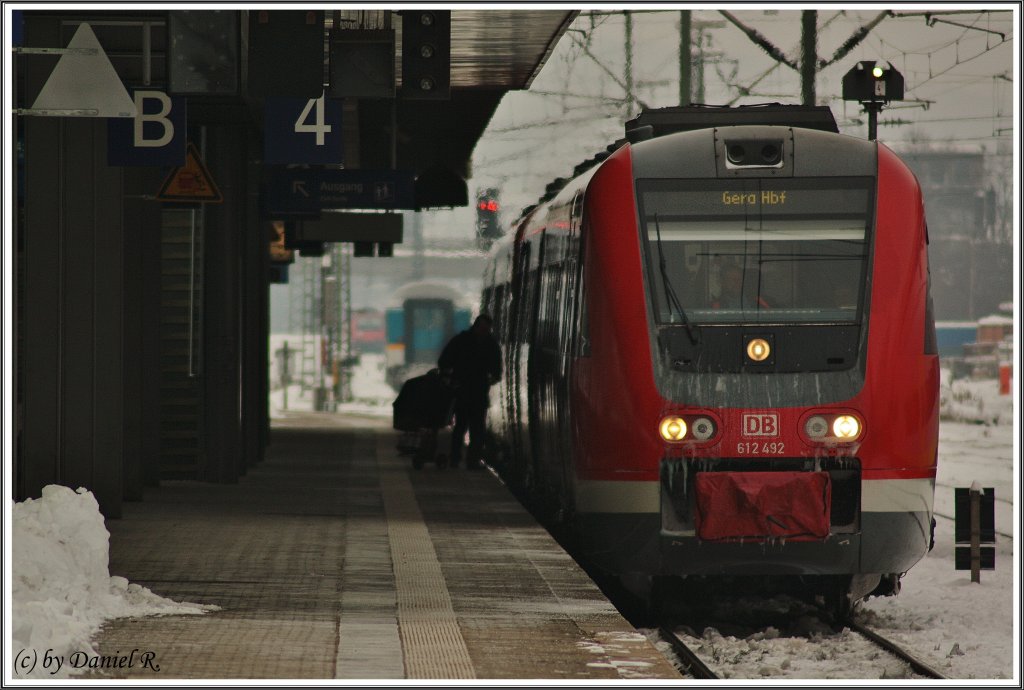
pixel 334 559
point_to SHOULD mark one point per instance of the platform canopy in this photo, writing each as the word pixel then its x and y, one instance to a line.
pixel 493 51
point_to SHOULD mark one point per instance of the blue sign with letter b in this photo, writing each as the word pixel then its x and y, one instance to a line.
pixel 155 136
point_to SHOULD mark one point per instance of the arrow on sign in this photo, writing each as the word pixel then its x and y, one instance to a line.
pixel 300 186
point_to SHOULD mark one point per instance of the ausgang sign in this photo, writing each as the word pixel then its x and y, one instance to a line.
pixel 312 190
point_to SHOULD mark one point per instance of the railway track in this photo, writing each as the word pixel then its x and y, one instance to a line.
pixel 691 663
pixel 694 666
pixel 918 666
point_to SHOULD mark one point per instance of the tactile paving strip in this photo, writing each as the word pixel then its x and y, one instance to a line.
pixel 432 643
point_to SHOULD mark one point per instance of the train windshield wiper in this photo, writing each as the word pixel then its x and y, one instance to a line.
pixel 670 293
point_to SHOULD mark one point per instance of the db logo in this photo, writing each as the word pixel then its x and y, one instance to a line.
pixel 760 425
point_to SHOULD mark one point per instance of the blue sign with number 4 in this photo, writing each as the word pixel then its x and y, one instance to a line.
pixel 302 130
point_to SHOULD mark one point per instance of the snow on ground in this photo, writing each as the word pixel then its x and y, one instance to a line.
pixel 62 589
pixel 371 396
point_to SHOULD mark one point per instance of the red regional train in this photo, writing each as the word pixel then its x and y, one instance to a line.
pixel 720 355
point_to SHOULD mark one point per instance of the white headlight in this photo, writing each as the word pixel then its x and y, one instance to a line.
pixel 816 427
pixel 673 428
pixel 703 428
pixel 846 427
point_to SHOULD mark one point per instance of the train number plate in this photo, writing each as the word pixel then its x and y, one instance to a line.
pixel 760 448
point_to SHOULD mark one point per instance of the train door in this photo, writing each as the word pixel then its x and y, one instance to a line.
pixel 569 339
pixel 529 362
pixel 516 380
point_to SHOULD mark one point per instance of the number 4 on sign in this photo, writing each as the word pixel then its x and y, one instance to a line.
pixel 319 127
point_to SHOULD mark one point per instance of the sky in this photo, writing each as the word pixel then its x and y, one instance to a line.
pixel 63 590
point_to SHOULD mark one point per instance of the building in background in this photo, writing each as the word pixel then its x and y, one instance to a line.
pixel 969 207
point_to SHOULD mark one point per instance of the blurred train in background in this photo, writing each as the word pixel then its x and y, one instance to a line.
pixel 419 320
pixel 368 331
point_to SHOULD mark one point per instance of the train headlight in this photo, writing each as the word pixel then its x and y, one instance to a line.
pixel 758 349
pixel 673 428
pixel 702 428
pixel 846 427
pixel 816 427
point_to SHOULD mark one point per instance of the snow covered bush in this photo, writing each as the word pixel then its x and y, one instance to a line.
pixel 974 401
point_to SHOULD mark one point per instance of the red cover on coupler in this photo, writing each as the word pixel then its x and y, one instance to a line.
pixel 763 505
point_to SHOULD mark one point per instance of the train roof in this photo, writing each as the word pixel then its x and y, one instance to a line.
pixel 670 120
pixel 426 289
pixel 657 122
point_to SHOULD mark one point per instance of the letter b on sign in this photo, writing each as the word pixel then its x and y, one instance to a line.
pixel 155 136
pixel 158 119
pixel 761 425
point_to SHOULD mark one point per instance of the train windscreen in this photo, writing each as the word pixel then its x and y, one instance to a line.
pixel 756 250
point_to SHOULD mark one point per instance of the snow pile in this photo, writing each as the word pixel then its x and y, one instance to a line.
pixel 974 401
pixel 62 590
pixel 371 395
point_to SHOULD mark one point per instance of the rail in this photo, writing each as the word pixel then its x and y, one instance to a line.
pixel 691 662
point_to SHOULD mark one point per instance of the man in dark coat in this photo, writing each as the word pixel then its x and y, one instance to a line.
pixel 472 361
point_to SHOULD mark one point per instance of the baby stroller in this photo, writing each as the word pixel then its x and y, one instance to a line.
pixel 424 406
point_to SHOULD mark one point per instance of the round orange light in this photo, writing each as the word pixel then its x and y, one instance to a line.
pixel 758 349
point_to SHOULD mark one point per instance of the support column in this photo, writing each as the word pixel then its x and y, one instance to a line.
pixel 809 59
pixel 143 220
pixel 685 61
pixel 223 304
pixel 72 354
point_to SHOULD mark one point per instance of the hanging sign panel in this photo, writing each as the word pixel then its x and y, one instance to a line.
pixel 313 190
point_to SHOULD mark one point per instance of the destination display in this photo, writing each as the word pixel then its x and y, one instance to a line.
pixel 673 200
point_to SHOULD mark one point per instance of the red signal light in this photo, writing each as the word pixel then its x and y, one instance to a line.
pixel 492 205
pixel 488 205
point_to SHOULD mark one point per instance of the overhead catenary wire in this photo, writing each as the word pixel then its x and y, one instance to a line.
pixel 588 44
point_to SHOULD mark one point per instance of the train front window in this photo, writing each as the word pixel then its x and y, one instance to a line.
pixel 756 251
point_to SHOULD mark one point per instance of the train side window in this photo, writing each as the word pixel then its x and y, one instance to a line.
pixel 497 311
pixel 531 331
pixel 485 300
pixel 521 295
pixel 547 320
pixel 567 317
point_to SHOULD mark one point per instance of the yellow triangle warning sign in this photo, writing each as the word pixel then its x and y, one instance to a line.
pixel 191 182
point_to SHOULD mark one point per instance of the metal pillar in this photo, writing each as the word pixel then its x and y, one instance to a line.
pixel 685 61
pixel 344 263
pixel 308 370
